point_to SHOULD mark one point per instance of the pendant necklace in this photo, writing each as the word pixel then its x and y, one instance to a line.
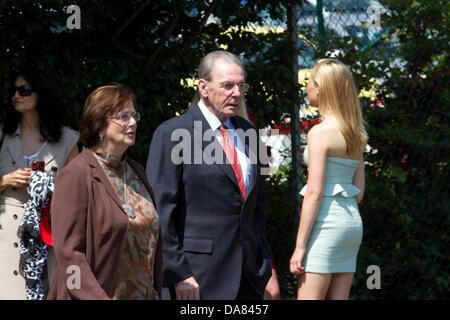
pixel 126 207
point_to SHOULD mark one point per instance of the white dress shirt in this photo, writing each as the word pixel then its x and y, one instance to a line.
pixel 215 123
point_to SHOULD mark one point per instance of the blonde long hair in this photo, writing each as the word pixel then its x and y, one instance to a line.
pixel 242 111
pixel 338 97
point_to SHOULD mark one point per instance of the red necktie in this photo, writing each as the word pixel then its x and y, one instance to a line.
pixel 230 151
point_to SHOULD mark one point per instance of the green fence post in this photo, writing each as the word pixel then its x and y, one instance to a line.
pixel 295 111
pixel 321 29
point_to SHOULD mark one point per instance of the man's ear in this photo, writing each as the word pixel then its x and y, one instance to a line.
pixel 203 88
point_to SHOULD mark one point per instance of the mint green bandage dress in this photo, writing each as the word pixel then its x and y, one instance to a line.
pixel 337 231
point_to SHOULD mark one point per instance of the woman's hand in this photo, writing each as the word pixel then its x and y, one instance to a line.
pixel 17 179
pixel 295 265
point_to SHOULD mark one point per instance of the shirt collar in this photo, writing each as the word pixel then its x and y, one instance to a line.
pixel 110 160
pixel 211 118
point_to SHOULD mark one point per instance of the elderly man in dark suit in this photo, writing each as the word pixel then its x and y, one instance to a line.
pixel 210 193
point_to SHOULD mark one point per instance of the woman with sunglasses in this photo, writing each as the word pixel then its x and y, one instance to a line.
pixel 32 130
pixel 106 230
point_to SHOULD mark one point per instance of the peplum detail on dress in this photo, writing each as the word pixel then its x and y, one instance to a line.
pixel 338 177
pixel 346 190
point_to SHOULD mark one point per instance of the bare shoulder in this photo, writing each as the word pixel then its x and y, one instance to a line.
pixel 318 141
pixel 324 131
pixel 328 134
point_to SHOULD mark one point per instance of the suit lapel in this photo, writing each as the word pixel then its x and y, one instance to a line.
pixel 200 130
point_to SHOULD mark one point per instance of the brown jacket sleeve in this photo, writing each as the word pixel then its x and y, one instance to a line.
pixel 157 272
pixel 69 211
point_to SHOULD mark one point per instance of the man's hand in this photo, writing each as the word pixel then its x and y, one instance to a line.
pixel 272 291
pixel 188 289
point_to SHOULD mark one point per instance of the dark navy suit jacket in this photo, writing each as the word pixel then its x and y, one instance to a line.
pixel 208 232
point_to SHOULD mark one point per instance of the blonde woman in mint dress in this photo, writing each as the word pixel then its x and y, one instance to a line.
pixel 330 230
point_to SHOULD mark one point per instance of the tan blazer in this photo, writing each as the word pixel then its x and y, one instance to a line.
pixel 89 230
pixel 12 206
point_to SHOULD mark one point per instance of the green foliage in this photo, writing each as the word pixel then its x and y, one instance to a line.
pixel 151 45
pixel 282 227
pixel 405 210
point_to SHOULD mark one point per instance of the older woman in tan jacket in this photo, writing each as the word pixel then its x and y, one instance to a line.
pixel 105 226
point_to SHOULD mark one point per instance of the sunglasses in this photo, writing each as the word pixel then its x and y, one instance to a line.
pixel 24 91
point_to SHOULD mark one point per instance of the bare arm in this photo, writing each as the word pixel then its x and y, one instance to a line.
pixel 317 158
pixel 359 180
pixel 272 291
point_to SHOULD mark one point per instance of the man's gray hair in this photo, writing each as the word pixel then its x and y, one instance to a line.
pixel 205 69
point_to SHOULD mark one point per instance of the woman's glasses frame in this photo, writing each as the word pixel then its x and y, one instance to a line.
pixel 125 117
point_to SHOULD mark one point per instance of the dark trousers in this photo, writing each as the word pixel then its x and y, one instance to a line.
pixel 246 290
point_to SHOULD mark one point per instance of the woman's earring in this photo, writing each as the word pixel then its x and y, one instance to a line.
pixel 100 136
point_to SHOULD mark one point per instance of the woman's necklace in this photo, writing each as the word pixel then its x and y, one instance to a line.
pixel 126 207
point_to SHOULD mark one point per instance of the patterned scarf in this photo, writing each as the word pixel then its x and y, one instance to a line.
pixel 33 251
